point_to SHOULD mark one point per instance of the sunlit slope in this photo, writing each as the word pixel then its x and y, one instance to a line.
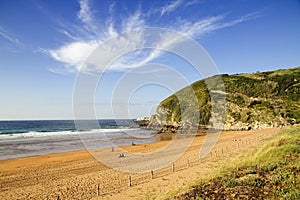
pixel 257 100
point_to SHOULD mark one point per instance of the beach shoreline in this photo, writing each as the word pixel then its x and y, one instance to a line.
pixel 75 174
pixel 44 143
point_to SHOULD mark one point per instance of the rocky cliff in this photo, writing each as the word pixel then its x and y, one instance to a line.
pixel 237 102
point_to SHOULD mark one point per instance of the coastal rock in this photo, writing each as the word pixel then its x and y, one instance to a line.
pixel 253 101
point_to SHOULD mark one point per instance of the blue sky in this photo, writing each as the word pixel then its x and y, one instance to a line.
pixel 43 44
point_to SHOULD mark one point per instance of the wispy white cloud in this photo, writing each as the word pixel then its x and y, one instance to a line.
pixel 134 21
pixel 74 31
pixel 207 25
pixel 242 19
pixel 8 36
pixel 111 32
pixel 172 6
pixel 200 27
pixel 85 15
pixel 75 53
pixel 193 2
pixel 68 34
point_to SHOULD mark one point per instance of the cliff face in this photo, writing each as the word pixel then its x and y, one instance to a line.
pixel 251 101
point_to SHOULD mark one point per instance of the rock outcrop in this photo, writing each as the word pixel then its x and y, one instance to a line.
pixel 233 102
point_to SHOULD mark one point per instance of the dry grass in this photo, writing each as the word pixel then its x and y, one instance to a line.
pixel 270 171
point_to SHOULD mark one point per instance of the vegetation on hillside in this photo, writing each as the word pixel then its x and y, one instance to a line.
pixel 271 172
pixel 258 100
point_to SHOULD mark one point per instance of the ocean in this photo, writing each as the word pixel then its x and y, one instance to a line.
pixel 30 138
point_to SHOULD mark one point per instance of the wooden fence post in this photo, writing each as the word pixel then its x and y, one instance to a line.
pixel 188 163
pixel 152 175
pixel 173 168
pixel 98 190
pixel 129 181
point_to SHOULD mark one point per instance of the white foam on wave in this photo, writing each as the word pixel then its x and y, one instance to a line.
pixel 36 134
pixel 114 130
pixel 32 134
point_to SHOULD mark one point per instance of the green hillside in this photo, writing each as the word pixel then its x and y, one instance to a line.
pixel 269 172
pixel 257 100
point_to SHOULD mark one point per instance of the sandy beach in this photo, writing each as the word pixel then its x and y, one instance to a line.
pixel 78 175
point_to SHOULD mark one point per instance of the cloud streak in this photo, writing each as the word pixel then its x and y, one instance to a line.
pixel 8 36
pixel 85 15
pixel 170 7
pixel 74 54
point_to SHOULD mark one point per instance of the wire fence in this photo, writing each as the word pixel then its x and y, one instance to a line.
pixel 127 180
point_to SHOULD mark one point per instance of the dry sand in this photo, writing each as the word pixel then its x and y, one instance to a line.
pixel 77 175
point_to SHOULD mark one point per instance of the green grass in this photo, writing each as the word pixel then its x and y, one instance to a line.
pixel 272 171
pixel 263 96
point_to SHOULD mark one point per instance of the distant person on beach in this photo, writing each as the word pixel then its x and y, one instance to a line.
pixel 112 149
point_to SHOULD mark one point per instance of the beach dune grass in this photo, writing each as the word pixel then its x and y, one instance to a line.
pixel 271 171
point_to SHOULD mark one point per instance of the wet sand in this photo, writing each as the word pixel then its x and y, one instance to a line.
pixel 77 175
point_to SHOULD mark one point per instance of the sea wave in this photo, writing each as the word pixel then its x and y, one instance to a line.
pixel 32 134
pixel 117 130
pixel 35 134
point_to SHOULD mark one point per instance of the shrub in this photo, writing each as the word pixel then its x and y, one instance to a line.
pixel 250 170
pixel 268 167
pixel 230 182
pixel 252 181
